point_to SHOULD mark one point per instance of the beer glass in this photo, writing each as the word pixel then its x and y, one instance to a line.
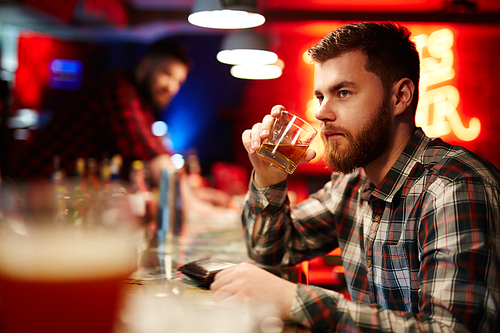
pixel 288 141
pixel 65 251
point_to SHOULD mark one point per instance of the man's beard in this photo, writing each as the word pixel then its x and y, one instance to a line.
pixel 362 149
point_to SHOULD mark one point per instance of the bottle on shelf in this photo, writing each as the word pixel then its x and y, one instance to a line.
pixel 115 167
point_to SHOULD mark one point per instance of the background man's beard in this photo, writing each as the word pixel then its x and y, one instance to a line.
pixel 147 98
pixel 364 148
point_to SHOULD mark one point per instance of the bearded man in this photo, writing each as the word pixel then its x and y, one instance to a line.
pixel 417 220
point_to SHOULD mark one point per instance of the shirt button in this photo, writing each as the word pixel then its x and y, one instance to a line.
pixel 260 204
pixel 369 263
pixel 376 218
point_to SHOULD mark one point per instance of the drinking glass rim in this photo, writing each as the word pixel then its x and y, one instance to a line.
pixel 314 130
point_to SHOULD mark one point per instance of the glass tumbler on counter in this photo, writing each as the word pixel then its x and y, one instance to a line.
pixel 288 141
pixel 64 254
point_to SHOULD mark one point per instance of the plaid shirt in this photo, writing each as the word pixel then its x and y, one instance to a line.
pixel 421 251
pixel 105 117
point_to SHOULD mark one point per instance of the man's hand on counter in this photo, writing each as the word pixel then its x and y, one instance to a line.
pixel 245 282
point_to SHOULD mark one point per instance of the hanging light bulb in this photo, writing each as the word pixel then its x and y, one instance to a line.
pixel 246 47
pixel 258 72
pixel 225 14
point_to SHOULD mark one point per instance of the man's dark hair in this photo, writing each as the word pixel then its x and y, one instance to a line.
pixel 168 48
pixel 390 54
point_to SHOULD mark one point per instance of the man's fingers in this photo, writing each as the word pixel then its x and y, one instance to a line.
pixel 222 278
pixel 220 296
pixel 246 138
pixel 255 138
pixel 267 125
pixel 252 138
pixel 309 155
pixel 276 110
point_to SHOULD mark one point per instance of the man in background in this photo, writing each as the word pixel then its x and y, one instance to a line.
pixel 111 115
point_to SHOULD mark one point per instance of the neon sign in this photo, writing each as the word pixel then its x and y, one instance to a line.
pixel 438 100
pixel 65 74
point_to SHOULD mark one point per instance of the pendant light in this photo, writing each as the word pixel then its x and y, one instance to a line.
pixel 256 72
pixel 244 48
pixel 226 14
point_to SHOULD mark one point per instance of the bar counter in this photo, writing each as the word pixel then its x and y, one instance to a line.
pixel 159 298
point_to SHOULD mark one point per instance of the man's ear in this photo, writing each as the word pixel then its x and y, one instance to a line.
pixel 402 94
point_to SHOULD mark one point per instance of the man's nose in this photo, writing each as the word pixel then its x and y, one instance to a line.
pixel 325 112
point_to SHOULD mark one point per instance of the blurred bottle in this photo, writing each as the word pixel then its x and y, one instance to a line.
pixel 170 214
pixel 176 204
pixel 115 168
pixel 80 172
pixel 193 170
pixel 77 197
pixel 105 172
pixel 140 196
pixel 92 178
pixel 58 173
pixel 60 192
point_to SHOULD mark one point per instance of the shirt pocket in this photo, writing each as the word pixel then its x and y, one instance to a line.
pixel 399 285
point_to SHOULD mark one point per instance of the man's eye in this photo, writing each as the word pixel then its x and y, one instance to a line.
pixel 320 99
pixel 343 93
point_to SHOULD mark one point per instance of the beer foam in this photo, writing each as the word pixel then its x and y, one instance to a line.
pixel 58 255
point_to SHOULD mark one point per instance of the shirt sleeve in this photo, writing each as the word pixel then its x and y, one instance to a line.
pixel 271 204
pixel 287 236
pixel 458 250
